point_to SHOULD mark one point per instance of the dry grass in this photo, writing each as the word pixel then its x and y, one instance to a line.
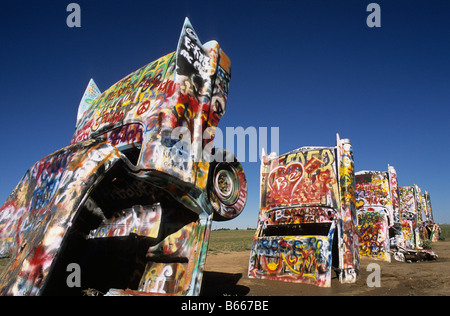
pixel 445 231
pixel 230 241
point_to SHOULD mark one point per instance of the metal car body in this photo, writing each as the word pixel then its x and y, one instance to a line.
pixel 411 210
pixel 130 201
pixel 377 204
pixel 431 229
pixel 412 226
pixel 307 224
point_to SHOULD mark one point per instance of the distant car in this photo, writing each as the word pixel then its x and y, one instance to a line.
pixel 431 229
pixel 377 204
pixel 411 210
pixel 130 201
pixel 307 224
pixel 412 226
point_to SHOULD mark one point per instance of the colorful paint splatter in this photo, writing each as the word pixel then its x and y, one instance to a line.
pixel 377 204
pixel 307 214
pixel 130 200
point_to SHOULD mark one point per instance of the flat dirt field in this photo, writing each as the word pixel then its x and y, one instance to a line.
pixel 226 274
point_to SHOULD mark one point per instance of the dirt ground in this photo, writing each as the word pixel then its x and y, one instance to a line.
pixel 226 274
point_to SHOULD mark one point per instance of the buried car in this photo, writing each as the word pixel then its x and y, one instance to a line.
pixel 307 224
pixel 129 203
pixel 410 249
pixel 377 204
pixel 431 229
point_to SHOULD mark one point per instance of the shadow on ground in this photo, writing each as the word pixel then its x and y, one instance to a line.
pixel 221 284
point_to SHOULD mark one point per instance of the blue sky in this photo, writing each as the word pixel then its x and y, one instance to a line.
pixel 311 68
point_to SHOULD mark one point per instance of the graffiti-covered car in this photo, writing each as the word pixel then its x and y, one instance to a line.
pixel 412 226
pixel 431 229
pixel 307 224
pixel 129 203
pixel 377 204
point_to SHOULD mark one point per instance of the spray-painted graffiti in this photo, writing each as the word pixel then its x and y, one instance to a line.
pixel 139 220
pixel 306 194
pixel 33 236
pixel 414 228
pixel 374 234
pixel 124 137
pixel 407 199
pixel 434 232
pixel 408 230
pixel 432 229
pixel 390 218
pixel 393 185
pixel 160 277
pixel 129 200
pixel 408 211
pixel 349 220
pixel 305 259
pixel 429 210
pixel 307 178
pixel 375 198
pixel 372 189
pixel 299 215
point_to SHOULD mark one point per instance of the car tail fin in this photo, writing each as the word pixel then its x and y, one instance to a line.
pixel 90 94
pixel 191 56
